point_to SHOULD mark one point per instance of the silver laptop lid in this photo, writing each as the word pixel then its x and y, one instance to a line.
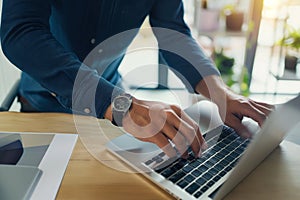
pixel 272 133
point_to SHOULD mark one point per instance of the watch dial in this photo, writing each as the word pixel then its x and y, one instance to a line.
pixel 122 103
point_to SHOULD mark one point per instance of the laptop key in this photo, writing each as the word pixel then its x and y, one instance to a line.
pixel 168 172
pixel 221 144
pixel 213 151
pixel 239 150
pixel 148 162
pixel 216 178
pixel 187 168
pixel 201 181
pixel 198 194
pixel 183 184
pixel 192 188
pixel 223 173
pixel 234 154
pixel 210 183
pixel 218 167
pixel 235 144
pixel 214 159
pixel 182 162
pixel 202 168
pixel 162 154
pixel 166 165
pixel 230 148
pixel 227 140
pixel 201 160
pixel 159 160
pixel 217 148
pixel 227 169
pixel 213 172
pixel 204 189
pixel 174 178
pixel 221 154
pixel 196 173
pixel 224 163
pixel 233 137
pixel 189 178
pixel 229 159
pixel 156 158
pixel 209 164
pixel 191 157
pixel 194 164
pixel 177 166
pixel 207 176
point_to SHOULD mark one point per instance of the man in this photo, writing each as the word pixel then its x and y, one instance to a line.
pixel 51 41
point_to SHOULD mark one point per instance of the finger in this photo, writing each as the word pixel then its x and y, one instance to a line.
pixel 254 113
pixel 177 138
pixel 262 107
pixel 199 135
pixel 269 106
pixel 162 142
pixel 235 123
pixel 197 141
pixel 184 128
pixel 190 130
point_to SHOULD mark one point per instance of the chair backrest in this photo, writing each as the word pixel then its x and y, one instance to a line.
pixel 9 80
pixel 10 97
pixel 9 83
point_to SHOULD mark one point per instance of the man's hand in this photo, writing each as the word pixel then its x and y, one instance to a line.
pixel 239 107
pixel 233 107
pixel 165 125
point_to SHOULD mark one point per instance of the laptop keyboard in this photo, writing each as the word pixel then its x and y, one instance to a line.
pixel 197 175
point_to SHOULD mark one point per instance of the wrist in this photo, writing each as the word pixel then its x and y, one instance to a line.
pixel 108 113
pixel 213 88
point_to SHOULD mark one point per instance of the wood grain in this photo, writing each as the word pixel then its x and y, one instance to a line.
pixel 88 178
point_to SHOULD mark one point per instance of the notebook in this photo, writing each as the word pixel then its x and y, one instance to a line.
pixel 227 161
pixel 32 165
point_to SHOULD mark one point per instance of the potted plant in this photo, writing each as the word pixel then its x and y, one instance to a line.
pixel 291 40
pixel 223 62
pixel 238 82
pixel 234 17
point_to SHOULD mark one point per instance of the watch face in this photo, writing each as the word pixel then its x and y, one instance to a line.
pixel 122 103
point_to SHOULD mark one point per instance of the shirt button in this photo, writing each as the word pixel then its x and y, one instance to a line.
pixel 93 40
pixel 87 110
pixel 100 50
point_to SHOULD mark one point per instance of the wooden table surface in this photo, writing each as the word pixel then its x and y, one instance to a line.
pixel 88 178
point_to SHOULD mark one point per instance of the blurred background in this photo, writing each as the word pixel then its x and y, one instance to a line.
pixel 251 42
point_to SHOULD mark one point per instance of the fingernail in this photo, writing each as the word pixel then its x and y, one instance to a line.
pixel 246 135
pixel 200 154
pixel 204 146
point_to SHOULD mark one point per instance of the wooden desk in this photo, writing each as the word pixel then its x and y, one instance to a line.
pixel 87 178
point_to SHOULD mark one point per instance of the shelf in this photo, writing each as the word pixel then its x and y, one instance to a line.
pixel 287 75
pixel 222 32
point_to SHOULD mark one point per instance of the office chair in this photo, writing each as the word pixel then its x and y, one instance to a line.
pixel 9 99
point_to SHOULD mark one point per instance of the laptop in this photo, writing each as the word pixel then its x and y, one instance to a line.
pixel 33 164
pixel 227 161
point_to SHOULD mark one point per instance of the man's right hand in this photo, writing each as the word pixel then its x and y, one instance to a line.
pixel 165 125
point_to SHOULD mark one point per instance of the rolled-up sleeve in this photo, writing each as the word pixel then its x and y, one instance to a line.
pixel 29 44
pixel 179 49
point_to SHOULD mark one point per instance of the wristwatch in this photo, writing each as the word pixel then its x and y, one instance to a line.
pixel 120 106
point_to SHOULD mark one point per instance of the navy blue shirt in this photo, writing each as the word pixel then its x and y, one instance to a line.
pixel 69 60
